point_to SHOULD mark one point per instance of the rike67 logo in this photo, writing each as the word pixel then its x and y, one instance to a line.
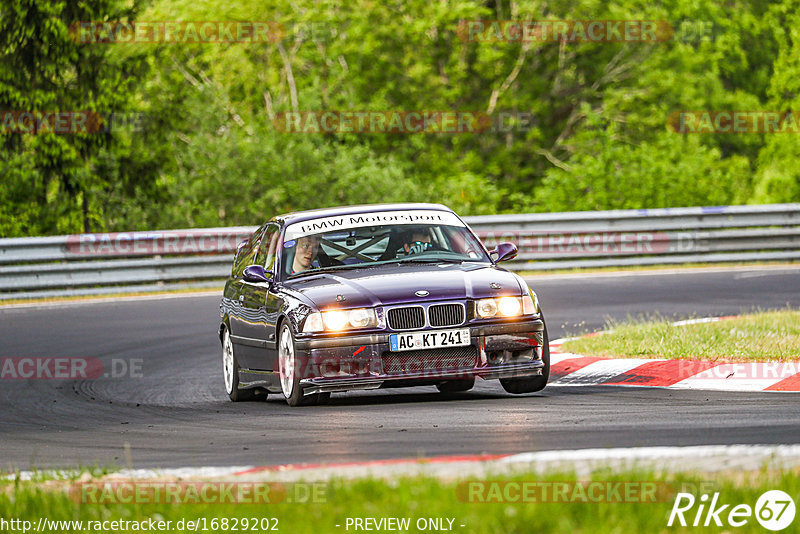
pixel 774 510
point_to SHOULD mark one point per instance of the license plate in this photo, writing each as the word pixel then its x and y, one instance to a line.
pixel 429 340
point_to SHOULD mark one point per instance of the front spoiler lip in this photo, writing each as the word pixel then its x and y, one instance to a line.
pixel 514 370
pixel 527 325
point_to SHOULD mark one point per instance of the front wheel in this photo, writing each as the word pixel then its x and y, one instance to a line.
pixel 288 370
pixel 534 383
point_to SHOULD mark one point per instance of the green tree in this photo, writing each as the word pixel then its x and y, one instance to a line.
pixel 211 155
pixel 45 69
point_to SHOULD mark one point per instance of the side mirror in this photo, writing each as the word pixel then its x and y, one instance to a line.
pixel 256 273
pixel 505 251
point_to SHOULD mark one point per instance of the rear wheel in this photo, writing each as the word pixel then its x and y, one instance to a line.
pixel 456 386
pixel 289 375
pixel 534 383
pixel 230 372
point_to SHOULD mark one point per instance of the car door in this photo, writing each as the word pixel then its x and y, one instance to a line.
pixel 239 291
pixel 274 300
pixel 260 306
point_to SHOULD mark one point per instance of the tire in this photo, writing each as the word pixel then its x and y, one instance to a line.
pixel 289 377
pixel 534 383
pixel 456 386
pixel 230 372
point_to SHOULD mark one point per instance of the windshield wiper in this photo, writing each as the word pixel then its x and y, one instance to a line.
pixel 323 270
pixel 431 260
pixel 344 267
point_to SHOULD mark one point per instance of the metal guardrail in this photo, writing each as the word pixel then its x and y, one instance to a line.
pixel 647 237
pixel 141 261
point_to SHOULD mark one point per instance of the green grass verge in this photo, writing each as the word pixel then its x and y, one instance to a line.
pixel 573 511
pixel 762 336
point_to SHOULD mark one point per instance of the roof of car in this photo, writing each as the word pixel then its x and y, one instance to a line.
pixel 298 216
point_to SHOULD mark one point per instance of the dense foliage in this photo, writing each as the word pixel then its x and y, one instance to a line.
pixel 209 152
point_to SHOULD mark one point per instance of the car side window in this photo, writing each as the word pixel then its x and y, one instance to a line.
pixel 247 254
pixel 268 247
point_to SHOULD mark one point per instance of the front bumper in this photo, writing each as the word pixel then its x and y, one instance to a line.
pixel 352 362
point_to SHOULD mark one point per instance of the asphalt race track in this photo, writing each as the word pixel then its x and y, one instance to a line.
pixel 177 414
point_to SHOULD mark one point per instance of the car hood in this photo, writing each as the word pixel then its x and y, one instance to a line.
pixel 396 284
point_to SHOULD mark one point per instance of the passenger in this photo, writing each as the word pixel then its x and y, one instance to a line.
pixel 305 253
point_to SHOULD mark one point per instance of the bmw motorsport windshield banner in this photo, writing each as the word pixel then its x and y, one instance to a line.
pixel 360 220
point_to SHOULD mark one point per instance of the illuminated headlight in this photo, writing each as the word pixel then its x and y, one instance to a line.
pixel 336 320
pixel 504 307
pixel 509 306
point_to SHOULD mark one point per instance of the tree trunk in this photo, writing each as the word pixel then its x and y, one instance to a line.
pixel 85 204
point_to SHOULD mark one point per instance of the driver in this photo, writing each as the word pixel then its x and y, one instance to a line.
pixel 305 253
pixel 416 242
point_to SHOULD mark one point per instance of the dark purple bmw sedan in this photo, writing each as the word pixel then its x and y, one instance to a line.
pixel 376 296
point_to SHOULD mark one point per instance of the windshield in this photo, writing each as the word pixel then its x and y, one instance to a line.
pixel 306 251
